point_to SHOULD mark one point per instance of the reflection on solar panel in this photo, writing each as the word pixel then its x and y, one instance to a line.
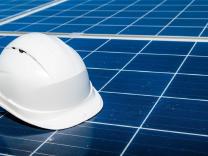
pixel 155 92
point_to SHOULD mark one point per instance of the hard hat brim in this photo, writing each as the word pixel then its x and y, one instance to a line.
pixel 56 120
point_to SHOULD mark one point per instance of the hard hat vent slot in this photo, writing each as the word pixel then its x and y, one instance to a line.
pixel 32 57
pixel 22 51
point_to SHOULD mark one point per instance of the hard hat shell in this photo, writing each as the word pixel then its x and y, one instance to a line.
pixel 44 82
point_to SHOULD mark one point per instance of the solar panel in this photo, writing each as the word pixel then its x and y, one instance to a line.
pixel 155 92
pixel 12 7
pixel 160 17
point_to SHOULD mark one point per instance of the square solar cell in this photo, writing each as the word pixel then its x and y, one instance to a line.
pixel 184 116
pixel 107 60
pixel 189 86
pixel 85 44
pixel 140 7
pixel 83 20
pixel 160 63
pixel 70 13
pixel 205 33
pixel 12 27
pixel 195 65
pixel 105 29
pixel 181 31
pixel 153 22
pixel 130 14
pixel 100 77
pixel 83 54
pixel 18 137
pixel 112 7
pixel 39 27
pixel 141 30
pixel 170 8
pixel 162 143
pixel 200 49
pixel 116 106
pixel 162 14
pixel 199 15
pixel 70 28
pixel 56 20
pixel 198 8
pixel 96 14
pixel 29 19
pixel 168 47
pixel 85 7
pixel 189 22
pixel 123 46
pixel 139 83
pixel 90 139
pixel 118 21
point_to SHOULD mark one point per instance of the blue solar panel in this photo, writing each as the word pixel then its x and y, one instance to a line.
pixel 11 7
pixel 155 92
pixel 135 17
pixel 143 97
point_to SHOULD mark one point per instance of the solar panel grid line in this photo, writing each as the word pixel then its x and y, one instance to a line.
pixel 175 17
pixel 142 16
pixel 53 15
pixel 15 6
pixel 151 129
pixel 5 154
pixel 11 8
pixel 183 98
pixel 171 80
pixel 33 152
pixel 109 124
pixel 159 26
pixel 176 132
pixel 82 15
pixel 131 4
pixel 30 11
pixel 14 149
pixel 150 71
pixel 131 11
pixel 125 66
pixel 156 96
pixel 95 49
pixel 79 147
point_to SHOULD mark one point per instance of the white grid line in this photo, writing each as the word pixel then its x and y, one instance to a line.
pixel 131 4
pixel 43 143
pixel 47 17
pixel 158 5
pixel 176 17
pixel 31 11
pixel 147 116
pixel 65 23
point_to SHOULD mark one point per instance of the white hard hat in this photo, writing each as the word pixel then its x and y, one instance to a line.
pixel 44 82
